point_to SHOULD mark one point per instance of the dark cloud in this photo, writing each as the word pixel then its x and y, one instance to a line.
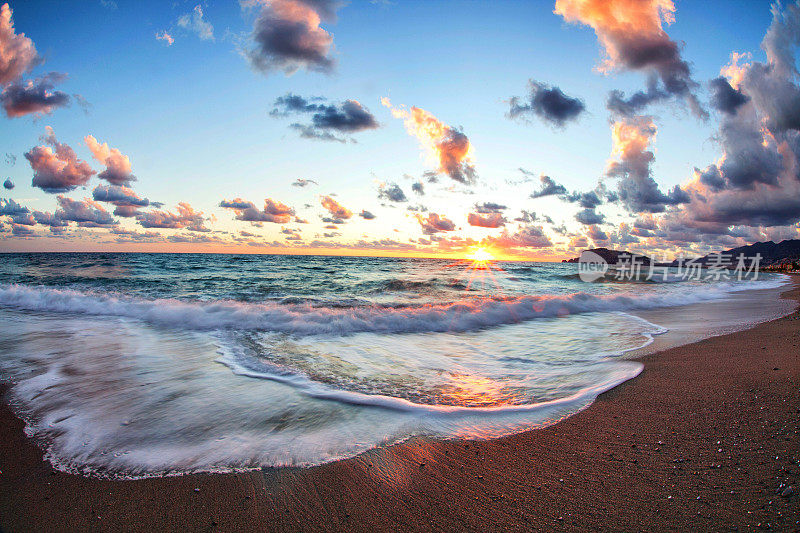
pixel 725 98
pixel 588 200
pixel 589 217
pixel 287 36
pixel 391 192
pixel 8 184
pixel 366 215
pixel 56 168
pixel 548 103
pixel 126 201
pixel 525 237
pixel 418 187
pixel 489 207
pixel 37 96
pixel 548 188
pixel 347 117
pixel 8 207
pixel 300 182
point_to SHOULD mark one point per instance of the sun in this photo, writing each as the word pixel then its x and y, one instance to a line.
pixel 481 255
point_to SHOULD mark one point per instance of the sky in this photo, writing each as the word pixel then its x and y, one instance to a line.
pixel 531 129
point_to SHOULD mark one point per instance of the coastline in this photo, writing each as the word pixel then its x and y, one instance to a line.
pixel 645 455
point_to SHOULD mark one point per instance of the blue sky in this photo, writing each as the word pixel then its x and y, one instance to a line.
pixel 194 117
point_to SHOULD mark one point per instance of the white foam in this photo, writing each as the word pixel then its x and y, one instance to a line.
pixel 304 319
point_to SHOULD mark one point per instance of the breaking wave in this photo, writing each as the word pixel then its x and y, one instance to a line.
pixel 304 319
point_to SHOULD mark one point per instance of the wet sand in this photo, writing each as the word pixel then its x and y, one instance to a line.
pixel 700 440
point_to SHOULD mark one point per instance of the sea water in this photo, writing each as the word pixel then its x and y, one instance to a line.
pixel 138 365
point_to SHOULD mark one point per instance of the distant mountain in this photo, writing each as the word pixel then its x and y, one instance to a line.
pixel 613 257
pixel 771 253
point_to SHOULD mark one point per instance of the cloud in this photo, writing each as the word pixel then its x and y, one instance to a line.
pixel 126 201
pixel 56 168
pixel 492 220
pixel 118 166
pixel 548 187
pixel 366 215
pixel 195 23
pixel 287 36
pixel 489 207
pixel 8 184
pixel 334 208
pixel 273 211
pixel 391 192
pixel 525 237
pixel 300 182
pixel 637 189
pixel 633 38
pixel 589 217
pixel 418 187
pixel 548 103
pixel 86 212
pixel 10 208
pixel 435 223
pixel 588 200
pixel 347 117
pixel 36 97
pixel 450 147
pixel 598 236
pixel 17 52
pixel 163 35
pixel 724 97
pixel 186 217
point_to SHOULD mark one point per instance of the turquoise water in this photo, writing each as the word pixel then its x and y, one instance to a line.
pixel 152 364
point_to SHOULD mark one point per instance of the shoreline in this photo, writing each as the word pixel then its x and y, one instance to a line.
pixel 688 444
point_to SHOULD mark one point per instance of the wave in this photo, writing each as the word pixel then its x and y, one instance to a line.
pixel 305 319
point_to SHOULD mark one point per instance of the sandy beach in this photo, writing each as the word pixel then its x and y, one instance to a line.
pixel 703 439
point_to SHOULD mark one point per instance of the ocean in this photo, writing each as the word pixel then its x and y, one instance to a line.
pixel 135 365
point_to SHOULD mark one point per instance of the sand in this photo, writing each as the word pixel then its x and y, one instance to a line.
pixel 701 440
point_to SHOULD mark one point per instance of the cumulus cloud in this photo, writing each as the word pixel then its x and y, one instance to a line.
pixel 434 223
pixel 287 35
pixel 491 220
pixel 631 160
pixel 8 184
pixel 418 187
pixel 33 97
pixel 548 187
pixel 17 52
pixel 87 213
pixel 195 23
pixel 489 207
pixel 338 211
pixel 366 215
pixel 56 168
pixel 447 144
pixel 118 166
pixel 633 38
pixel 273 211
pixel 589 217
pixel 546 102
pixel 724 97
pixel 327 120
pixel 391 192
pixel 186 217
